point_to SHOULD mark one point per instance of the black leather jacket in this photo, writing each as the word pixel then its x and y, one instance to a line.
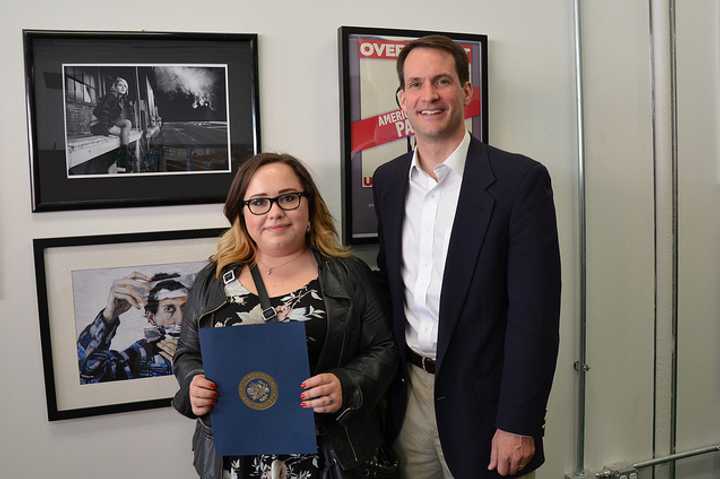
pixel 358 349
pixel 109 110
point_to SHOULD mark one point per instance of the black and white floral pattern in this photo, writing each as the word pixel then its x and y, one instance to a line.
pixel 306 305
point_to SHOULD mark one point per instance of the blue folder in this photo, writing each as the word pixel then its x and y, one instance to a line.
pixel 258 370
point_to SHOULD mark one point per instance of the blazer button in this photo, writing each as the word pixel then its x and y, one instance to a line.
pixel 440 398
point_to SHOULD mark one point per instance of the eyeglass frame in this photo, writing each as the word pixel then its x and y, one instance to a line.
pixel 274 199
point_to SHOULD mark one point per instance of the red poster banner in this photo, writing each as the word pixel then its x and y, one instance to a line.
pixel 389 49
pixel 394 125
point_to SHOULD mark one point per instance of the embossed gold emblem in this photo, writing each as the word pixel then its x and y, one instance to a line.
pixel 258 390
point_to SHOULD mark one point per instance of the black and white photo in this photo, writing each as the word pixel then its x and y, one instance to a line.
pixel 124 119
pixel 146 119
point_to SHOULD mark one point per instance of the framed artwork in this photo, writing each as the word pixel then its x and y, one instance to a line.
pixel 120 119
pixel 374 128
pixel 110 312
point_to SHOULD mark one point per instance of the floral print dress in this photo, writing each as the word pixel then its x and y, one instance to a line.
pixel 305 304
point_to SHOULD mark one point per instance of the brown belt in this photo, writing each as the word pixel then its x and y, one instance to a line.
pixel 422 362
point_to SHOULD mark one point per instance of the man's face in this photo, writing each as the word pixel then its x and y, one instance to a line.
pixel 169 312
pixel 433 98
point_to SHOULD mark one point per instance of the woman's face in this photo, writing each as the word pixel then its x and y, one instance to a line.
pixel 277 232
pixel 121 86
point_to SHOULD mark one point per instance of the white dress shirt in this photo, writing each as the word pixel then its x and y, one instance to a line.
pixel 429 214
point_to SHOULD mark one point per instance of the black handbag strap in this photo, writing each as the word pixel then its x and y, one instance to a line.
pixel 268 311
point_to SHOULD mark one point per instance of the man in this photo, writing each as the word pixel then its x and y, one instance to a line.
pixel 150 356
pixel 469 249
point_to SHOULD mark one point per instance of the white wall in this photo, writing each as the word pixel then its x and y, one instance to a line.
pixel 698 396
pixel 531 111
pixel 620 254
pixel 629 192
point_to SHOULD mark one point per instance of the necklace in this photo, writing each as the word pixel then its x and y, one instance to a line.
pixel 269 269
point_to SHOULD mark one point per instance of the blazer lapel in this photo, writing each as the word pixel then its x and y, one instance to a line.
pixel 394 203
pixel 474 210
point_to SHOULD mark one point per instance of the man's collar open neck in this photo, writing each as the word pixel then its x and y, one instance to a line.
pixel 432 153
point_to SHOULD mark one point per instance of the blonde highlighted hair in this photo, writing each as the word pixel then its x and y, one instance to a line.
pixel 236 246
pixel 117 81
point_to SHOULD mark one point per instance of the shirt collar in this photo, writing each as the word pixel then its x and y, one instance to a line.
pixel 455 162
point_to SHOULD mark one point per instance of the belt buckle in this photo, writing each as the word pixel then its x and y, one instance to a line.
pixel 426 365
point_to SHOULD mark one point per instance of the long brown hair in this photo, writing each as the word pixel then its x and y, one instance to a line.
pixel 236 246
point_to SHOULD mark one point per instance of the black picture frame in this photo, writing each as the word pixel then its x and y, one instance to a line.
pixel 369 140
pixel 191 100
pixel 57 261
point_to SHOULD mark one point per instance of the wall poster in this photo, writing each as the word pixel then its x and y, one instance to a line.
pixel 375 130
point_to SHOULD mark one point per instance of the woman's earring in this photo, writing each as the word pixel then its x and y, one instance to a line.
pixel 307 228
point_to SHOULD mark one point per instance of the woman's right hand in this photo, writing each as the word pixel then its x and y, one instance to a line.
pixel 203 394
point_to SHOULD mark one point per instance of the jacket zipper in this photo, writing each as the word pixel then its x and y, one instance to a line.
pixel 340 357
pixel 342 347
pixel 347 433
pixel 352 447
pixel 211 311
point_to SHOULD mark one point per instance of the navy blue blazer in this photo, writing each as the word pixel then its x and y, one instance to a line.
pixel 499 305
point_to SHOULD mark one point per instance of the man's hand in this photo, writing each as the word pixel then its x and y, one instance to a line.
pixel 203 394
pixel 510 453
pixel 323 393
pixel 124 293
pixel 167 347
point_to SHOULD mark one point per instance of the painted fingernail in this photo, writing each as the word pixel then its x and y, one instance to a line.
pixel 302 396
pixel 302 385
pixel 303 404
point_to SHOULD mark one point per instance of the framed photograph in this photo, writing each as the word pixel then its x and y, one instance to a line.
pixel 374 128
pixel 110 316
pixel 119 119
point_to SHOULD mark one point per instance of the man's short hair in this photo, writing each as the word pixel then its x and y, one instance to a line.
pixel 165 282
pixel 437 42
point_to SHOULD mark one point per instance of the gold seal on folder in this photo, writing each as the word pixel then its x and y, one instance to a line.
pixel 258 390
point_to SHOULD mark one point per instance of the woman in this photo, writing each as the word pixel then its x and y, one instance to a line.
pixel 281 224
pixel 112 117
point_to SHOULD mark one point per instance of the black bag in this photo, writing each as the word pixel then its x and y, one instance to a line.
pixel 383 465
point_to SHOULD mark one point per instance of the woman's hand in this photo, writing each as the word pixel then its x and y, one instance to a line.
pixel 323 393
pixel 203 395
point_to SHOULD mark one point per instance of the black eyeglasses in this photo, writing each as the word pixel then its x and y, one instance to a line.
pixel 287 201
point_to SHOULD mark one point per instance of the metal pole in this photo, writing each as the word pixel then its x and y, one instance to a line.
pixel 675 226
pixel 581 364
pixel 631 470
pixel 675 457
